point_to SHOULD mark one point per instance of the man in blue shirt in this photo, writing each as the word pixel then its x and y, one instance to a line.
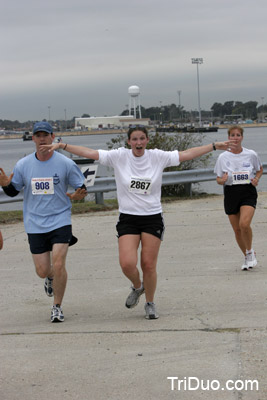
pixel 45 177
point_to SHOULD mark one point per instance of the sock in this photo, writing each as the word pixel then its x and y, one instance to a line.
pixel 139 287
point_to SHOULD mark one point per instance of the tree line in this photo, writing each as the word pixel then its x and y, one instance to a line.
pixel 248 110
pixel 163 113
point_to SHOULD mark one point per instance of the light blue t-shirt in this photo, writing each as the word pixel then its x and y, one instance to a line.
pixel 46 206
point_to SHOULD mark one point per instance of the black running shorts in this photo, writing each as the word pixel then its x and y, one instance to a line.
pixel 43 242
pixel 136 224
pixel 236 196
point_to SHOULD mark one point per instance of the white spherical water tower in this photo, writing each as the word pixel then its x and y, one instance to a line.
pixel 134 93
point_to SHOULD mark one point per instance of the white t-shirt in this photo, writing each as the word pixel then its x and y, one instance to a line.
pixel 241 167
pixel 139 179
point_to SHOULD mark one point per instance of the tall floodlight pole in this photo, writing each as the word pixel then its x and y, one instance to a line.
pixel 198 61
pixel 160 112
pixel 65 111
pixel 179 95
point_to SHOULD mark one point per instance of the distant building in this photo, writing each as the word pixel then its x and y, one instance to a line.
pixel 262 116
pixel 115 122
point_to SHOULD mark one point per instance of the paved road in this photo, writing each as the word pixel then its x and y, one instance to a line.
pixel 212 324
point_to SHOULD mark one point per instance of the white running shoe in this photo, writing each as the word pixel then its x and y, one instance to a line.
pixel 150 310
pixel 251 259
pixel 48 287
pixel 57 314
pixel 245 266
pixel 133 298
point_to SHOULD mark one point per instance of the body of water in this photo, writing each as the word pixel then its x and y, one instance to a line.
pixel 11 150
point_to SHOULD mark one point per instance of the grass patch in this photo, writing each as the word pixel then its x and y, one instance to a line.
pixel 195 196
pixel 83 207
pixel 10 217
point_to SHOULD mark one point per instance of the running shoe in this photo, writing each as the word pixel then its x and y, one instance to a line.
pixel 48 287
pixel 150 310
pixel 245 265
pixel 57 314
pixel 251 259
pixel 133 298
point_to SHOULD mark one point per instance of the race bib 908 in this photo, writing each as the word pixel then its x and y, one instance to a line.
pixel 42 186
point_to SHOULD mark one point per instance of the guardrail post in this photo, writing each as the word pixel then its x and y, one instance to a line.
pixel 99 198
pixel 188 189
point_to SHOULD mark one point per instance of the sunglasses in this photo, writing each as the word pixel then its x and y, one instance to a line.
pixel 133 128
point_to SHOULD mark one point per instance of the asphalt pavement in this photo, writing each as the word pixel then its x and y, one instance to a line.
pixel 210 341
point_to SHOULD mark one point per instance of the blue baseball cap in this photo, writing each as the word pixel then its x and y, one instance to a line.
pixel 42 126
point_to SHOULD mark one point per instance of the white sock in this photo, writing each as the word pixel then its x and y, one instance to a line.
pixel 139 288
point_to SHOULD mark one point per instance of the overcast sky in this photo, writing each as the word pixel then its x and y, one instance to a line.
pixel 82 55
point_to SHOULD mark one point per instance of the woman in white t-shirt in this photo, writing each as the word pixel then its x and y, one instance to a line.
pixel 239 171
pixel 138 174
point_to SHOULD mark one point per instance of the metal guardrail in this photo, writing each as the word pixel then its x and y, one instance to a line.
pixel 4 199
pixel 187 177
pixel 108 184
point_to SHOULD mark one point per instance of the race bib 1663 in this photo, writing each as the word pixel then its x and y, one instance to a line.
pixel 241 178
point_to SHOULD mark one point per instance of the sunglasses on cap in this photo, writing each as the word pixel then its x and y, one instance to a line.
pixel 137 128
pixel 133 128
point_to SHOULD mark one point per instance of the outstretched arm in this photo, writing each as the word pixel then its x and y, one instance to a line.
pixel 82 151
pixel 5 182
pixel 79 194
pixel 4 179
pixel 195 152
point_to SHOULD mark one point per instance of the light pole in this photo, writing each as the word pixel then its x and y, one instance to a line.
pixel 49 113
pixel 160 112
pixel 179 95
pixel 198 61
pixel 65 111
